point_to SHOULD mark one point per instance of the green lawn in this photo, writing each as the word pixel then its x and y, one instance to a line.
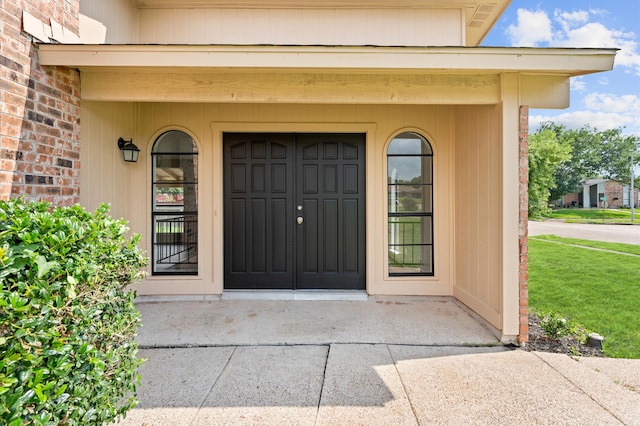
pixel 596 215
pixel 600 290
pixel 406 245
pixel 624 248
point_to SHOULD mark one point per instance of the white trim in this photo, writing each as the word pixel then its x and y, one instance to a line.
pixel 219 128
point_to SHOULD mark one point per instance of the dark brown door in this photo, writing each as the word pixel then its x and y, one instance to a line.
pixel 294 211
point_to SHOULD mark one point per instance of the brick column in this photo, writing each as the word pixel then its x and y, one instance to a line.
pixel 523 223
pixel 40 112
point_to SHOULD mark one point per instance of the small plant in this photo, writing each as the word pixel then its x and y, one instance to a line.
pixel 579 332
pixel 67 320
pixel 555 326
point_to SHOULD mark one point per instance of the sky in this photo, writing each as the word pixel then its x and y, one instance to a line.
pixel 604 100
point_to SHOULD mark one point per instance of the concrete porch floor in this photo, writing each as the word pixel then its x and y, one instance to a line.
pixel 245 321
pixel 378 362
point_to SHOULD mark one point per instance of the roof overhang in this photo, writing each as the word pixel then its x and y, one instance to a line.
pixel 369 59
pixel 330 75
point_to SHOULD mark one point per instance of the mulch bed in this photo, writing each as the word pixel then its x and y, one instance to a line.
pixel 538 341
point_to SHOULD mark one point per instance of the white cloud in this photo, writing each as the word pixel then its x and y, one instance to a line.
pixel 532 28
pixel 569 20
pixel 605 102
pixel 595 34
pixel 628 55
pixel 598 119
pixel 599 12
pixel 574 29
pixel 592 34
pixel 578 84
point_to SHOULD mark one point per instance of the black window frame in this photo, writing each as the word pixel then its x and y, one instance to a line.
pixel 417 214
pixel 189 226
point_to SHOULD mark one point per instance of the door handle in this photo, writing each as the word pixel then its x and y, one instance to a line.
pixel 299 219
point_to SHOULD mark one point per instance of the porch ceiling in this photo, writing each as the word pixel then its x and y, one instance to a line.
pixel 330 59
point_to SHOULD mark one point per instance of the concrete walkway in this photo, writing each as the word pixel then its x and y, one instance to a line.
pixel 381 362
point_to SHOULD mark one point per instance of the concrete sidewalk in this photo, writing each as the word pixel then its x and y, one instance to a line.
pixel 355 380
pixel 626 234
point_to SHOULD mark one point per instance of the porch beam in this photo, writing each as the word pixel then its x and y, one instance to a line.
pixel 290 88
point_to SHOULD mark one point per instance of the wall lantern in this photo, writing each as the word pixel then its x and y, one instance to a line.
pixel 130 152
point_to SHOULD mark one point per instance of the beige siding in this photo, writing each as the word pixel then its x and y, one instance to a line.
pixel 478 218
pixel 103 176
pixel 109 179
pixel 120 17
pixel 339 27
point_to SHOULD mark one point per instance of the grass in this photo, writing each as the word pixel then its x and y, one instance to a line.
pixel 623 248
pixel 408 242
pixel 596 215
pixel 600 290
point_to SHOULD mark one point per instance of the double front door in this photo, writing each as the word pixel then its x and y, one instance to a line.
pixel 294 211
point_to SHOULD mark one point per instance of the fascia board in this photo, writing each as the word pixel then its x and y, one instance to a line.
pixel 564 61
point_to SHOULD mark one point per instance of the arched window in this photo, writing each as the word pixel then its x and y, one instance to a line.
pixel 410 205
pixel 175 204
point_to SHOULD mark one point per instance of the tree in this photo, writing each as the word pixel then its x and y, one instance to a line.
pixel 546 155
pixel 617 151
pixel 583 162
pixel 594 154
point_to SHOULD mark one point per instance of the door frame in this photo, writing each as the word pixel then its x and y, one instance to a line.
pixel 217 207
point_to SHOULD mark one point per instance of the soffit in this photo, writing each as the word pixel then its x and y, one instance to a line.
pixel 325 59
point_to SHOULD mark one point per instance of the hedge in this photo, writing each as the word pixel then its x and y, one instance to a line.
pixel 67 318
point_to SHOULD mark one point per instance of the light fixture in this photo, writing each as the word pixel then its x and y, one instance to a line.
pixel 130 152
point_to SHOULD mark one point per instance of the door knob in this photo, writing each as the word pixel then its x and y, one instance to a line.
pixel 300 219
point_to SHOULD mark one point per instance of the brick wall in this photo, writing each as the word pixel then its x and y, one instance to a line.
pixel 523 223
pixel 614 192
pixel 40 112
pixel 571 200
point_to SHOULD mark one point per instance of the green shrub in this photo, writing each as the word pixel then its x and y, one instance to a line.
pixel 67 322
pixel 555 326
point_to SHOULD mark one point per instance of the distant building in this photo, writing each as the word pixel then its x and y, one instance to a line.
pixel 592 192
